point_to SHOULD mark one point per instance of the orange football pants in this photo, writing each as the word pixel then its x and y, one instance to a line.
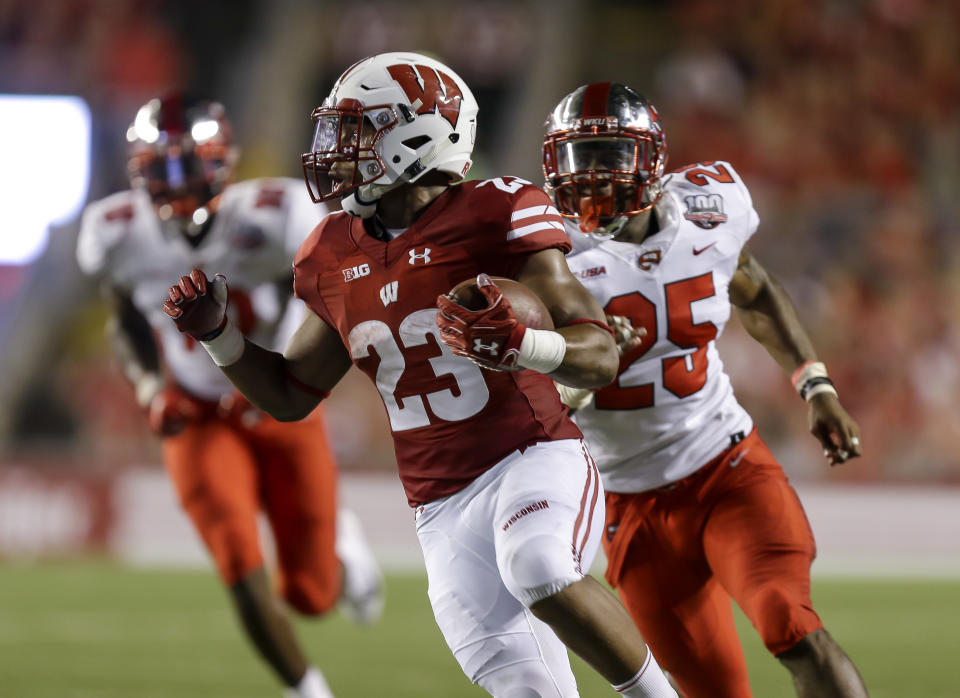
pixel 735 528
pixel 226 473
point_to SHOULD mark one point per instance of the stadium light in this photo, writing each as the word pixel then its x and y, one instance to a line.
pixel 44 169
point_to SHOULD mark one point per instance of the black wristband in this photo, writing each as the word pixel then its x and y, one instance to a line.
pixel 819 380
pixel 209 336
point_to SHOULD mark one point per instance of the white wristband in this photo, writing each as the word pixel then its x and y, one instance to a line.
pixel 811 369
pixel 542 350
pixel 817 389
pixel 227 347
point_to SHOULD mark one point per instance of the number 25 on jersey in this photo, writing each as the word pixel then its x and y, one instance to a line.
pixel 682 375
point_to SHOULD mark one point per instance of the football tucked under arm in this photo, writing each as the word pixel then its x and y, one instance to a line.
pixel 499 324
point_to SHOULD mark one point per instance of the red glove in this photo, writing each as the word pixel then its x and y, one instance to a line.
pixel 489 337
pixel 198 307
pixel 170 410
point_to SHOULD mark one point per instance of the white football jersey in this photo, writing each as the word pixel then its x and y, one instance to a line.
pixel 258 227
pixel 671 409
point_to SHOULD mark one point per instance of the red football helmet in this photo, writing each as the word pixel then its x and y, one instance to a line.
pixel 181 152
pixel 603 155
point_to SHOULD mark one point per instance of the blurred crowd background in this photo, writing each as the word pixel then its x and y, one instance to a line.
pixel 842 116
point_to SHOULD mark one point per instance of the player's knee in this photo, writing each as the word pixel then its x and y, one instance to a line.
pixel 522 680
pixel 311 594
pixel 781 618
pixel 535 567
pixel 235 552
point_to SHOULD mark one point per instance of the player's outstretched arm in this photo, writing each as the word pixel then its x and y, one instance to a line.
pixel 590 359
pixel 131 338
pixel 287 386
pixel 768 314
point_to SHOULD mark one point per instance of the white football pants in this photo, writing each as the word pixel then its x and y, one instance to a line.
pixel 525 529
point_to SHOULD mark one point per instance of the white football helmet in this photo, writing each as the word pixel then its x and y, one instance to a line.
pixel 393 118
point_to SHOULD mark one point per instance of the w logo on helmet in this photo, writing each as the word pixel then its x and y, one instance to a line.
pixel 433 88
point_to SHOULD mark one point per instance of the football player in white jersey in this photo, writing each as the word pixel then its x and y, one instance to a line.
pixel 227 460
pixel 698 510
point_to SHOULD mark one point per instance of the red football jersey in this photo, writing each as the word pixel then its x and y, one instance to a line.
pixel 451 420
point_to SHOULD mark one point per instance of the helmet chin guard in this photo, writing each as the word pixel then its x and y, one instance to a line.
pixel 389 120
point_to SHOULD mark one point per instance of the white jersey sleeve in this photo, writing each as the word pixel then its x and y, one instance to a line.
pixel 104 226
pixel 714 197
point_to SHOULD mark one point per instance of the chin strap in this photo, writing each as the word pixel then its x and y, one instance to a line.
pixel 352 204
pixel 362 202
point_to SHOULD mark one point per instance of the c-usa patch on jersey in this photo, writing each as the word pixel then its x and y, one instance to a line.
pixel 705 210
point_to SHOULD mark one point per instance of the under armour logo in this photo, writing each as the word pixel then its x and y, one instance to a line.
pixel 491 349
pixel 388 294
pixel 423 257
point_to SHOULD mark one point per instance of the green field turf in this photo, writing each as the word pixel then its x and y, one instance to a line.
pixel 85 630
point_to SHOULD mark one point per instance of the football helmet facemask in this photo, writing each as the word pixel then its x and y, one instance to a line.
pixel 603 156
pixel 181 152
pixel 389 120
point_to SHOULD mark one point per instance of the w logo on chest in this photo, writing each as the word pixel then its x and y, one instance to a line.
pixel 388 294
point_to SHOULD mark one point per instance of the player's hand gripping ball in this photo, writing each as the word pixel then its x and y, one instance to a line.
pixel 198 306
pixel 484 319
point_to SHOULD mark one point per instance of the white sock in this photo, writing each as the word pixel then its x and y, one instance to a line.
pixel 312 685
pixel 362 596
pixel 649 682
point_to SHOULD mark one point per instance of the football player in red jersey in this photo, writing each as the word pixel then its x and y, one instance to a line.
pixel 508 502
pixel 698 509
pixel 228 460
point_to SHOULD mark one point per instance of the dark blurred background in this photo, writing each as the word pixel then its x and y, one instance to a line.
pixel 842 116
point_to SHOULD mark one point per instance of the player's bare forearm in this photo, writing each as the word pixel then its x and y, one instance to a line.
pixel 262 376
pixel 768 314
pixel 132 341
pixel 591 359
pixel 289 386
pixel 770 317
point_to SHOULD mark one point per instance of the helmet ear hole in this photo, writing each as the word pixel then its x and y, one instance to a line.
pixel 416 142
